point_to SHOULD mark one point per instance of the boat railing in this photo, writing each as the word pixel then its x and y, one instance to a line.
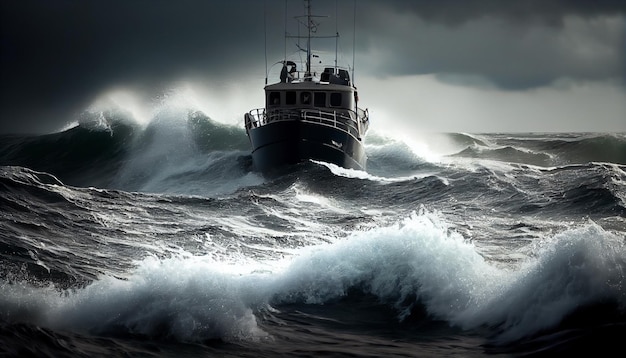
pixel 347 120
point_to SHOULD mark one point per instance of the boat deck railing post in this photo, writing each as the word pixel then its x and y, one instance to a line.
pixel 349 122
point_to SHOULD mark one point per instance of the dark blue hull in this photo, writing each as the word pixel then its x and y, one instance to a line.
pixel 283 143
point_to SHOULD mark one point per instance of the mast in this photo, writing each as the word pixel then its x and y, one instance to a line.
pixel 308 42
pixel 311 33
pixel 353 38
pixel 337 34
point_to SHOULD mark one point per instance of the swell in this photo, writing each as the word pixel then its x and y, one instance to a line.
pixel 79 156
pixel 411 275
pixel 609 148
pixel 548 149
pixel 601 325
pixel 594 190
pixel 46 228
pixel 93 155
pixel 506 154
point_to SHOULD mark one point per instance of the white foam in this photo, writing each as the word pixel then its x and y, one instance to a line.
pixel 188 299
pixel 572 269
pixel 419 260
pixel 418 256
pixel 171 162
pixel 139 108
pixel 360 174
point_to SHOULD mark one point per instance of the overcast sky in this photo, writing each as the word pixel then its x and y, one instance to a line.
pixel 445 65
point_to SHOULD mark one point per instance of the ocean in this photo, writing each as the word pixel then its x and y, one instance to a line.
pixel 159 240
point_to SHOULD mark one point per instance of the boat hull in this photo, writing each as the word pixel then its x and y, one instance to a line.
pixel 283 143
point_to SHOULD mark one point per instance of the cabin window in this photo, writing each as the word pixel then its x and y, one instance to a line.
pixel 335 99
pixel 319 100
pixel 291 97
pixel 305 97
pixel 274 98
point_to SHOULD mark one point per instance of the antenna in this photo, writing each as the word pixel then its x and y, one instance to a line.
pixel 265 35
pixel 308 43
pixel 307 20
pixel 336 38
pixel 285 21
pixel 353 39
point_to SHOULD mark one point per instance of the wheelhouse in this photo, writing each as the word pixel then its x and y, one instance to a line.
pixel 309 95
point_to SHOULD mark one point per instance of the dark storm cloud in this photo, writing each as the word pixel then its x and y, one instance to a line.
pixel 512 44
pixel 454 12
pixel 57 56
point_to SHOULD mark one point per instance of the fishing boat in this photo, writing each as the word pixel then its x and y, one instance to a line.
pixel 310 113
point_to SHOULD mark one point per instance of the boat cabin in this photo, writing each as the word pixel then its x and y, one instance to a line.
pixel 309 95
pixel 332 90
